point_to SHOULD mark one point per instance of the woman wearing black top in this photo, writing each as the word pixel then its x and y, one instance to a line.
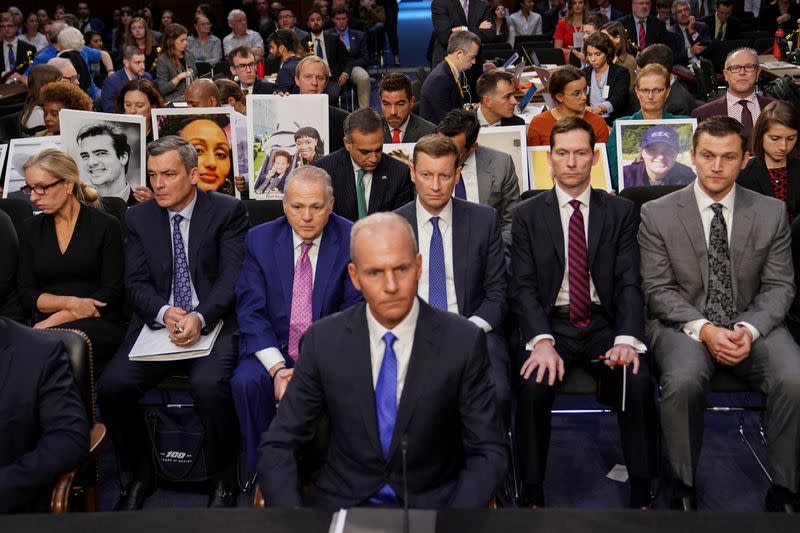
pixel 609 84
pixel 71 259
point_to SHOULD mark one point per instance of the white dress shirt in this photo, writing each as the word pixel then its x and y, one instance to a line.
pixel 425 230
pixel 14 46
pixel 367 181
pixel 321 39
pixel 562 299
pixel 404 333
pixel 469 175
pixel 271 355
pixel 735 110
pixel 483 121
pixel 704 202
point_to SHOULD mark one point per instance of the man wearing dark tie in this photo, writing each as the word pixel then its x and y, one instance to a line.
pixel 446 86
pixel 366 181
pixel 644 28
pixel 406 387
pixel 401 125
pixel 294 272
pixel 718 279
pixel 332 50
pixel 722 23
pixel 183 255
pixel 463 270
pixel 356 44
pixel 575 288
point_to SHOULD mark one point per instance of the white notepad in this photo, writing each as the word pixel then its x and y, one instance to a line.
pixel 154 345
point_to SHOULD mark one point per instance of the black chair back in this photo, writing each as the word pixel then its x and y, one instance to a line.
pixel 642 195
pixel 541 41
pixel 260 211
pixel 221 69
pixel 79 352
pixel 115 207
pixel 548 56
pixel 531 193
pixel 422 74
pixel 19 210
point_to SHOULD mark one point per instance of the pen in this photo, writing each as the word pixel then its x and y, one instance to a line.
pixel 602 358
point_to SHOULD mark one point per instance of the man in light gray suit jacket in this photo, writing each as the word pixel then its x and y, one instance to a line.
pixel 718 280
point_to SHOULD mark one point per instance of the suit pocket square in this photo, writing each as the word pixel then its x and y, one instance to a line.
pixel 383 177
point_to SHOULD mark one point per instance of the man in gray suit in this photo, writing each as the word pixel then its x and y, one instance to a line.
pixel 488 176
pixel 400 124
pixel 718 280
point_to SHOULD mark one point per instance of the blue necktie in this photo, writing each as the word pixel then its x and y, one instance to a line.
pixel 181 284
pixel 319 48
pixel 386 409
pixel 437 282
pixel 12 59
pixel 461 191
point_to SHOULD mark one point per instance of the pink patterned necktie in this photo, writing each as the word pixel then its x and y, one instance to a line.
pixel 301 300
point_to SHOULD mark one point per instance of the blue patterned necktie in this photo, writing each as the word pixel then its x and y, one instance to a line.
pixel 319 48
pixel 386 409
pixel 181 283
pixel 719 302
pixel 12 59
pixel 437 282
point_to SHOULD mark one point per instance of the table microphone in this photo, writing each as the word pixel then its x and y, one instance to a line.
pixel 403 453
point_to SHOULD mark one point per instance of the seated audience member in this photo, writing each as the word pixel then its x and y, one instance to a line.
pixel 230 94
pixel 204 45
pixel 99 72
pixel 140 97
pixel 119 33
pixel 67 69
pixel 86 21
pixel 287 21
pixel 240 35
pixel 9 263
pixel 175 64
pixel 723 24
pixel 775 169
pixel 652 89
pixel 740 101
pixel 693 36
pixel 262 22
pixel 608 83
pixel 604 7
pixel 366 181
pixel 781 14
pixel 355 43
pixel 664 13
pixel 552 11
pixel 70 270
pixel 392 352
pixel 679 102
pixel 52 50
pixel 496 93
pixel 488 176
pixel 283 45
pixel 568 319
pixel 140 36
pixel 31 119
pixel 499 21
pixel 593 23
pixel 15 51
pixel 616 32
pixel 332 50
pixel 459 236
pixel 32 34
pixel 577 12
pixel 133 68
pixel 643 26
pixel 271 321
pixel 730 315
pixel 244 71
pixel 47 432
pixel 312 76
pixel 445 88
pixel 400 124
pixel 524 22
pixel 188 306
pixel 57 96
pixel 569 91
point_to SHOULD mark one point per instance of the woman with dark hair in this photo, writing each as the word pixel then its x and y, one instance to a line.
pixel 119 33
pixel 31 120
pixel 230 93
pixel 310 146
pixel 775 168
pixel 609 84
pixel 619 36
pixel 139 36
pixel 60 95
pixel 500 25
pixel 31 33
pixel 569 91
pixel 175 65
pixel 571 24
pixel 99 71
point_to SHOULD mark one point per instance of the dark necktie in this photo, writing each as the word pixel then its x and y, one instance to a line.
pixel 361 193
pixel 580 300
pixel 319 48
pixel 747 117
pixel 12 59
pixel 437 280
pixel 181 283
pixel 719 304
pixel 720 33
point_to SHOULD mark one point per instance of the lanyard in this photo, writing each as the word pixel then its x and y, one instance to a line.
pixel 456 76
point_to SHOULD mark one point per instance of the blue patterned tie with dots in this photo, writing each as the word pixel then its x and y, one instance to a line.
pixel 437 279
pixel 181 284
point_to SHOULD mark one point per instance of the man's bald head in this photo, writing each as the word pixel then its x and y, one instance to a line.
pixel 202 93
pixel 382 227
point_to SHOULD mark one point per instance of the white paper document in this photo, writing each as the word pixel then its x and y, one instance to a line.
pixel 154 345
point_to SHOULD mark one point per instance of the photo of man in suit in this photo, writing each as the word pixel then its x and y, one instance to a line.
pixel 366 181
pixel 401 125
pixel 446 86
pixel 495 91
pixel 718 279
pixel 463 266
pixel 183 255
pixel 294 272
pixel 396 356
pixel 575 288
pixel 132 69
pixel 104 154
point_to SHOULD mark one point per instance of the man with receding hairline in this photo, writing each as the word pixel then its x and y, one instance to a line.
pixel 408 386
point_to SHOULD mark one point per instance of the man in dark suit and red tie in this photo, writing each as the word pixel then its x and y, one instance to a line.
pixel 575 288
pixel 645 28
pixel 294 272
pixel 406 387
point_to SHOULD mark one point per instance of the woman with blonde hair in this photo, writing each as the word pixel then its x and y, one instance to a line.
pixel 31 120
pixel 175 64
pixel 71 259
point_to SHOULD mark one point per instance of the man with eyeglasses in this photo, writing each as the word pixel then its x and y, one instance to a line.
pixel 645 28
pixel 242 36
pixel 693 35
pixel 446 86
pixel 243 70
pixel 740 101
pixel 287 21
pixel 14 52
pixel 68 72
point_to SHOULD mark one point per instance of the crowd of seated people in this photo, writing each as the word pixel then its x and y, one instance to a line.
pixel 430 278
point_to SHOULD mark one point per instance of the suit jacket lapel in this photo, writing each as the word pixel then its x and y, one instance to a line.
pixel 378 188
pixel 347 186
pixel 197 230
pixel 461 237
pixel 325 260
pixel 597 213
pixel 553 222
pixel 284 259
pixel 689 216
pixel 361 366
pixel 6 354
pixel 743 220
pixel 484 178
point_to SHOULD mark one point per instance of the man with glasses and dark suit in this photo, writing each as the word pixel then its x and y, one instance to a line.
pixel 446 86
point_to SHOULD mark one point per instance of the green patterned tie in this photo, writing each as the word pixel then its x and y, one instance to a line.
pixel 361 193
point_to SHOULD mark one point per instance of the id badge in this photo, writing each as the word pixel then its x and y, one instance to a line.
pixel 605 92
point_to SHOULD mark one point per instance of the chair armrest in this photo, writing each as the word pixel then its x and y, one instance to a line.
pixel 59 502
pixel 258 499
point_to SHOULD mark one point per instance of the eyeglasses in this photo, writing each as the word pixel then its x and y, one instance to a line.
pixel 246 66
pixel 737 68
pixel 41 190
pixel 72 79
pixel 653 92
pixel 578 94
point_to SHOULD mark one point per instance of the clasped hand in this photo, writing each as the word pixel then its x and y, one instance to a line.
pixel 184 328
pixel 727 347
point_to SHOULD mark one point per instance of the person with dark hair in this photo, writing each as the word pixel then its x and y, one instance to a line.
pixel 526 21
pixel 781 14
pixel 446 86
pixel 31 118
pixel 139 97
pixel 604 7
pixel 140 37
pixel 775 169
pixel 243 68
pixel 231 94
pixel 86 22
pixel 497 101
pixel 569 313
pixel 283 45
pixel 15 52
pixel 33 34
pixel 119 33
pixel 720 297
pixel 355 43
pixel 401 125
pixel 488 176
pixel 694 36
pixel 723 24
pixel 310 146
pixel 450 18
pixel 366 181
pixel 657 163
pixel 616 32
pixel 287 21
pixel 60 95
pixel 572 23
pixel 274 179
pixel 104 156
pixel 175 65
pixel 184 230
pixel 664 13
pixel 608 83
pixel 133 68
pixel 330 48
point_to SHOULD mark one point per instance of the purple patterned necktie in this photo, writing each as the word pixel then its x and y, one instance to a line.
pixel 181 283
pixel 300 318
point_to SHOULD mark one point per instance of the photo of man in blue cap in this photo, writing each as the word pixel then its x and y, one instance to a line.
pixel 658 164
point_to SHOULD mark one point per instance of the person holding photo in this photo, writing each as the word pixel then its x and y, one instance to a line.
pixel 140 97
pixel 658 162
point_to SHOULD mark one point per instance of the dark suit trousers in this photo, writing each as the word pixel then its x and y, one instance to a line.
pixel 124 382
pixel 499 366
pixel 577 346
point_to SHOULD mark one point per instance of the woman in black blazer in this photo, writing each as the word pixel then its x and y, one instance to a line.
pixel 608 84
pixel 775 169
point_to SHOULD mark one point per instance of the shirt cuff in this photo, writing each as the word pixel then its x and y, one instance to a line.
pixel 160 315
pixel 608 105
pixel 753 330
pixel 693 327
pixel 481 323
pixel 631 341
pixel 202 319
pixel 270 357
pixel 537 338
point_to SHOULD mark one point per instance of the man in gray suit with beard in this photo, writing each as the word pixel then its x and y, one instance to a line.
pixel 718 280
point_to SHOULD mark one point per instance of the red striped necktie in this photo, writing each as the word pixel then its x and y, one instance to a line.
pixel 580 301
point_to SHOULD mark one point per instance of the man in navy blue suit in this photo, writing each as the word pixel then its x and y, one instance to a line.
pixel 132 69
pixel 183 255
pixel 463 266
pixel 356 44
pixel 446 86
pixel 294 272
pixel 44 430
pixel 366 181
